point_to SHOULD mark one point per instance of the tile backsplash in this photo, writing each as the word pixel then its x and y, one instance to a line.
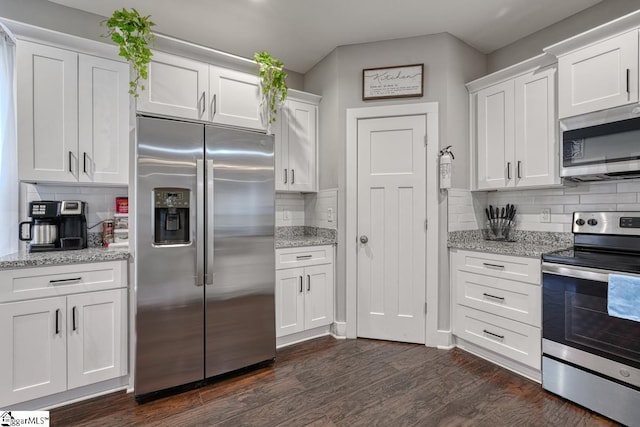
pixel 466 209
pixel 312 209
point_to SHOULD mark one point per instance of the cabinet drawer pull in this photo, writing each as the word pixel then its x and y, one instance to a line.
pixel 57 321
pixel 70 159
pixel 64 281
pixel 518 167
pixel 308 282
pixel 493 335
pixel 73 318
pixel 508 170
pixel 300 284
pixel 285 176
pixel 215 108
pixel 489 265
pixel 293 176
pixel 493 296
pixel 300 257
pixel 204 105
pixel 84 162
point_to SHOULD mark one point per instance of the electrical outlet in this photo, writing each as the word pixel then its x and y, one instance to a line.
pixel 286 215
pixel 545 215
pixel 330 214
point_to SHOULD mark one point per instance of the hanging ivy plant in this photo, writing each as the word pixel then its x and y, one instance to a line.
pixel 132 33
pixel 274 87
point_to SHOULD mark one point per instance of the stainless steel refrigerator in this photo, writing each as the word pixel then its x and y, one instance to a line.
pixel 204 252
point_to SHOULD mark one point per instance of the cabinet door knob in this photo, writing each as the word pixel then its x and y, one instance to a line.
pixel 364 239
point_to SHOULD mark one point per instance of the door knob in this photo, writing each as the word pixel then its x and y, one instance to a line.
pixel 364 239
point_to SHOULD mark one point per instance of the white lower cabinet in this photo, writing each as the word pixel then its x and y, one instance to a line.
pixel 497 308
pixel 58 343
pixel 304 289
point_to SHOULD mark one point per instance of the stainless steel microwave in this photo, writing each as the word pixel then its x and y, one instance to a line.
pixel 601 145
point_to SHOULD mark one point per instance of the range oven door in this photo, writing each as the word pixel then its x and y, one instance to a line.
pixel 577 329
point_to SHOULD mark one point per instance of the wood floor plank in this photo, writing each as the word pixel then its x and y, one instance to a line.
pixel 333 383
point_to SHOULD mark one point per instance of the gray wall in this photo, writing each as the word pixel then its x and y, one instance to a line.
pixel 449 63
pixel 532 45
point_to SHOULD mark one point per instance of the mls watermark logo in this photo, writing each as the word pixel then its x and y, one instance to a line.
pixel 24 418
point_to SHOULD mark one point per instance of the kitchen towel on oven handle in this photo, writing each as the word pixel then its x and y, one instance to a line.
pixel 623 297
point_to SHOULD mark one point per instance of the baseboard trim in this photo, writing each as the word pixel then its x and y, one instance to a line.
pixel 299 337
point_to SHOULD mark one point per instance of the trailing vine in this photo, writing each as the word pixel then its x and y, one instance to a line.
pixel 274 87
pixel 132 33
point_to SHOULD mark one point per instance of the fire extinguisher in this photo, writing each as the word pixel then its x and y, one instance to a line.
pixel 446 156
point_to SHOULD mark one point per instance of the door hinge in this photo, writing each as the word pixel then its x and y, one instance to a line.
pixel 426 224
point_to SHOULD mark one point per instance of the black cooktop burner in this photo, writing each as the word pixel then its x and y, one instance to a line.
pixel 613 261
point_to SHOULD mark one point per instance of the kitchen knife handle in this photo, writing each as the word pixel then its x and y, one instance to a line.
pixel 308 282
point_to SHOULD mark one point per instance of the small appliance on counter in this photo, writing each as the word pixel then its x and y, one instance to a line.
pixel 55 225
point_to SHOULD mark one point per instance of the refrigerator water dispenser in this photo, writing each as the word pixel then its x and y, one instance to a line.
pixel 171 216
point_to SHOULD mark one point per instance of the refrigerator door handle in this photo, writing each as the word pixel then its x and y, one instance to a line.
pixel 200 223
pixel 209 224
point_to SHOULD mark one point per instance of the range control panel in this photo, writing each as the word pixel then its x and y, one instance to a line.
pixel 623 223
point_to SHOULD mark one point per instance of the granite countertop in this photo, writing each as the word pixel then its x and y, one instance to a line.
pixel 299 236
pixel 38 259
pixel 526 243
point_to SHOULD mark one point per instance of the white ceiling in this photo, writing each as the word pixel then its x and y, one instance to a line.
pixel 302 32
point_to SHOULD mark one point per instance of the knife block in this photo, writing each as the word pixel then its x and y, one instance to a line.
pixel 499 229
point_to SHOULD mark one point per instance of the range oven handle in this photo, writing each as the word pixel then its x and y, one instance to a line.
pixel 594 274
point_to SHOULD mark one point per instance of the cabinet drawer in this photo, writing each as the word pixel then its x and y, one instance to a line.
pixel 27 283
pixel 509 338
pixel 303 257
pixel 511 299
pixel 502 266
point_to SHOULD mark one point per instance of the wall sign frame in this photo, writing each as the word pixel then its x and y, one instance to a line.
pixel 402 81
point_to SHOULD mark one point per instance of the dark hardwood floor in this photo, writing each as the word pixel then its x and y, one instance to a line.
pixel 328 382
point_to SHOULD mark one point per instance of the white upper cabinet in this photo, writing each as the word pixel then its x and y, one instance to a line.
pixel 103 125
pixel 514 127
pixel 296 143
pixel 235 98
pixel 182 87
pixel 73 116
pixel 599 76
pixel 47 86
pixel 176 87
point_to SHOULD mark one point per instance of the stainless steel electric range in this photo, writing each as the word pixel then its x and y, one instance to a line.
pixel 589 356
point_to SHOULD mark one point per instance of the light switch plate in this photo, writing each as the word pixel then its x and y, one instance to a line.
pixel 330 214
pixel 545 215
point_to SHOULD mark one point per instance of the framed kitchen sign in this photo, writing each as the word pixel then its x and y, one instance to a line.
pixel 404 81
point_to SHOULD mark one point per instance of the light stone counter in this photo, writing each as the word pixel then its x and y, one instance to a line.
pixel 526 243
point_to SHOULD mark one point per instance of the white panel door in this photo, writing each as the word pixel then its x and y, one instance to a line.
pixel 301 124
pixel 289 301
pixel 318 305
pixel 177 87
pixel 33 357
pixel 103 101
pixel 235 98
pixel 536 152
pixel 47 86
pixel 392 214
pixel 96 336
pixel 600 76
pixel 495 136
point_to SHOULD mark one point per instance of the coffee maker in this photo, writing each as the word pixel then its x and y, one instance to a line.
pixel 55 225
